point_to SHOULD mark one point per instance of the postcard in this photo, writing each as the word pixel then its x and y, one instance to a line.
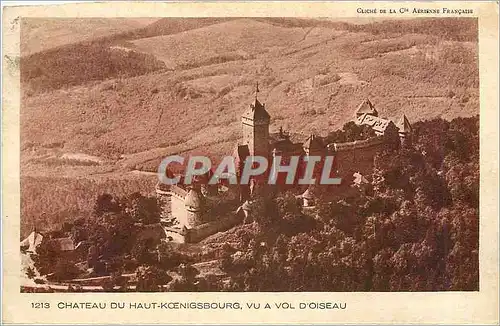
pixel 250 162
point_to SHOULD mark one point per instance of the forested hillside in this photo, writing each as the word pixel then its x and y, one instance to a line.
pixel 415 228
pixel 417 231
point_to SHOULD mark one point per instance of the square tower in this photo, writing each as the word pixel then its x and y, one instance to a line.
pixel 255 125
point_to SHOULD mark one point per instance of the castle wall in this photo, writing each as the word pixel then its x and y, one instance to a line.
pixel 179 210
pixel 165 203
pixel 204 230
pixel 352 157
pixel 171 200
pixel 193 218
pixel 357 144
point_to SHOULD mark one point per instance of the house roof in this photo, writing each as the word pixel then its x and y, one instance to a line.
pixel 32 241
pixel 366 107
pixel 257 111
pixel 404 125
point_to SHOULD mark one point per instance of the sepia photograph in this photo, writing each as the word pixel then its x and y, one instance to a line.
pixel 245 162
pixel 258 154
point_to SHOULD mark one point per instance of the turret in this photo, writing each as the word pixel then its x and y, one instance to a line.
pixel 308 197
pixel 194 203
pixel 405 130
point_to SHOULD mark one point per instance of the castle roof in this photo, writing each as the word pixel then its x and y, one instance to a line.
pixel 194 199
pixel 377 124
pixel 404 125
pixel 286 145
pixel 180 189
pixel 313 142
pixel 366 107
pixel 257 111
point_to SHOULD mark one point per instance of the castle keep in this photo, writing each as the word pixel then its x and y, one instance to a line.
pixel 185 215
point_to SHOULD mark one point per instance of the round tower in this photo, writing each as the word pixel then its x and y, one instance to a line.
pixel 194 203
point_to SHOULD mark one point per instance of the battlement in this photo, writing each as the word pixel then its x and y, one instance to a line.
pixel 357 144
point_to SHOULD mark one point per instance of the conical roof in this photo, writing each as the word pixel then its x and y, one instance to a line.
pixel 257 111
pixel 404 125
pixel 366 107
pixel 308 194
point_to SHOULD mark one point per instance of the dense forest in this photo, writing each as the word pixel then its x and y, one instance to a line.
pixel 418 229
pixel 415 229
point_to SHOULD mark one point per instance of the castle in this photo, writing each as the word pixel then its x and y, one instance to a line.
pixel 185 217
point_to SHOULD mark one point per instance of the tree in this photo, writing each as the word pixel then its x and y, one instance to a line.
pixel 30 273
pixel 65 270
pixel 141 252
pixel 143 209
pixel 264 212
pixel 170 258
pixel 115 280
pixel 45 258
pixel 106 203
pixel 151 279
pixel 188 281
pixel 112 234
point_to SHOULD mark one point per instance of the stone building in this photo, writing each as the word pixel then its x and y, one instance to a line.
pixel 349 157
pixel 185 219
pixel 255 126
